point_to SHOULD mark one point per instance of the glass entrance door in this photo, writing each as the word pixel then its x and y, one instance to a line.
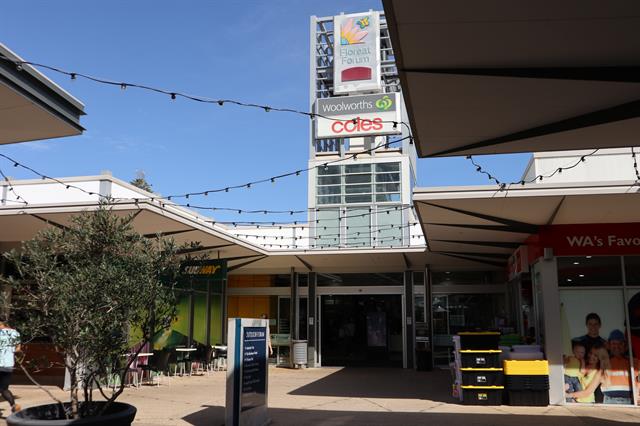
pixel 361 330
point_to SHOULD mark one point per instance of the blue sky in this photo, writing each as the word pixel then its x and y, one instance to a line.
pixel 253 51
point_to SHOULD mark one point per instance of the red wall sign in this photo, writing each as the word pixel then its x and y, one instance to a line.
pixel 589 239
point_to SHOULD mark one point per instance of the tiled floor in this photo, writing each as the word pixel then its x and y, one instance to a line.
pixel 335 396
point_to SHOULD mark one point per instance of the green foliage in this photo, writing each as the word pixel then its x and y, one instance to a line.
pixel 86 286
pixel 141 182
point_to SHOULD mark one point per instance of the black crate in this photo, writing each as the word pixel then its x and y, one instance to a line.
pixel 479 340
pixel 528 382
pixel 480 359
pixel 481 396
pixel 482 377
pixel 529 398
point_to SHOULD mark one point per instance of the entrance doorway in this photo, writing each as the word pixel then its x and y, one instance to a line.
pixel 361 330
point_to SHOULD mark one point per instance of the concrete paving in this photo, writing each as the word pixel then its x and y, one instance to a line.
pixel 341 396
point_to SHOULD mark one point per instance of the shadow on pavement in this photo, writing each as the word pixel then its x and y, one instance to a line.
pixel 214 416
pixel 382 383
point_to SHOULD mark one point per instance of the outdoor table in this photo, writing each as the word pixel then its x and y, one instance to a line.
pixel 182 359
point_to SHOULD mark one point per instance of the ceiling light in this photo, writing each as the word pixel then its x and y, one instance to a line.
pixel 576 263
pixel 588 257
pixel 581 275
pixel 569 280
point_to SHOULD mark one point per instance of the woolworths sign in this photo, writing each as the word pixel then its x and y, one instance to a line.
pixel 364 115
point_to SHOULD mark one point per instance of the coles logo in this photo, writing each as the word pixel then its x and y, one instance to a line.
pixel 356 125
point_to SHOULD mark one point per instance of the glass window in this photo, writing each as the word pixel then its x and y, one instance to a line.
pixel 327 228
pixel 388 177
pixel 389 227
pixel 358 231
pixel 340 280
pixel 388 187
pixel 392 197
pixel 302 318
pixel 466 277
pixel 329 199
pixel 329 170
pixel 329 180
pixel 357 189
pixel 357 199
pixel 357 178
pixel 589 271
pixel 632 270
pixel 327 190
pixel 357 168
pixel 418 301
pixel 387 167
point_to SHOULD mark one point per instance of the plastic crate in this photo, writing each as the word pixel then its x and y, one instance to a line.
pixel 537 383
pixel 482 340
pixel 480 359
pixel 526 368
pixel 529 398
pixel 482 377
pixel 482 395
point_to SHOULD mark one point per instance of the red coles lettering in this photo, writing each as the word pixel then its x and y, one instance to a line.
pixel 360 125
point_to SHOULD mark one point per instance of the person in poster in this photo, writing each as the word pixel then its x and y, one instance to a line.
pixel 592 338
pixel 573 368
pixel 616 387
pixel 594 374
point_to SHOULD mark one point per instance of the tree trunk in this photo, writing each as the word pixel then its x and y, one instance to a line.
pixel 74 393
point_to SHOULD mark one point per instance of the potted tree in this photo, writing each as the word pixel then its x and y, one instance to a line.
pixel 96 289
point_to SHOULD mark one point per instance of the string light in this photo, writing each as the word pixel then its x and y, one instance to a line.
pixel 502 185
pixel 240 211
pixel 635 165
pixel 18 199
pixel 174 94
pixel 188 194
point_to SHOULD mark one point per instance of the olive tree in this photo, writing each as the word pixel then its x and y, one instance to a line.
pixel 95 288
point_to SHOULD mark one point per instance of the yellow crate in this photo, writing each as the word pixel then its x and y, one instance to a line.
pixel 526 367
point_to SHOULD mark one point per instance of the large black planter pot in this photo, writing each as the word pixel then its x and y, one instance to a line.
pixel 118 414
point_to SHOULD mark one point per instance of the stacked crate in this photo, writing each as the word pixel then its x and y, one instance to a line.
pixel 480 368
pixel 527 382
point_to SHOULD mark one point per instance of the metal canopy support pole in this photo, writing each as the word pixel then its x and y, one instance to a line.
pixel 293 312
pixel 428 305
pixel 312 355
pixel 410 332
pixel 293 305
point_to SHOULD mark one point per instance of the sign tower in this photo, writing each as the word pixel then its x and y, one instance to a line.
pixel 363 201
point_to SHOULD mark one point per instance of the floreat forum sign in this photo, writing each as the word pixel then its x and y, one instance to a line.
pixel 356 64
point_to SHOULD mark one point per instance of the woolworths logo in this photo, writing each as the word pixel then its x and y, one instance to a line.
pixel 384 103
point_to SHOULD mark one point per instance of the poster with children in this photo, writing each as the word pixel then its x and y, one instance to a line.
pixel 597 366
pixel 633 305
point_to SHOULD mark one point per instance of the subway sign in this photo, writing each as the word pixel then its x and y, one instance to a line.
pixel 362 115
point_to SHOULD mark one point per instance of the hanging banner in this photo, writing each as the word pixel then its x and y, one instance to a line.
pixel 356 61
pixel 350 116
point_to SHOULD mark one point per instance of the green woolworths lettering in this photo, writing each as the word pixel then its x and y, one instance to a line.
pixel 384 103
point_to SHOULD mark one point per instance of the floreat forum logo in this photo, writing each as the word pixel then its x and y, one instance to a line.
pixel 354 32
